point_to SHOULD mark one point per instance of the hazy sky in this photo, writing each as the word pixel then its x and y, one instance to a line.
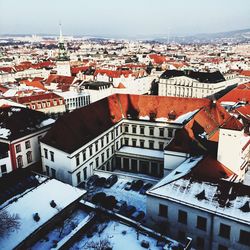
pixel 123 18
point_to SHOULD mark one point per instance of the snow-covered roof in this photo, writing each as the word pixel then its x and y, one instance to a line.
pixel 223 198
pixel 38 201
pixel 142 152
pixel 179 172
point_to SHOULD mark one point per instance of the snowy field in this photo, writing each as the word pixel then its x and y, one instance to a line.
pixel 119 236
pixel 49 241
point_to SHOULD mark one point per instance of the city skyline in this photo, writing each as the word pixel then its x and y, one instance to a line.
pixel 123 20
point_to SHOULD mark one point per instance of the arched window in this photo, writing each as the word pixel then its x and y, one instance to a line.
pixel 19 161
pixel 29 156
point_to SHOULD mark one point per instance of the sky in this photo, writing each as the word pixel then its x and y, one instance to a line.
pixel 123 18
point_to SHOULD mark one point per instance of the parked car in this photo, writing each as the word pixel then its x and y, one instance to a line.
pixel 128 186
pixel 111 180
pixel 92 179
pixel 136 186
pixel 99 198
pixel 100 182
pixel 109 202
pixel 129 210
pixel 120 206
pixel 138 215
pixel 145 187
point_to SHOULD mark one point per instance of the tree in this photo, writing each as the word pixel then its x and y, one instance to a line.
pixel 103 244
pixel 8 222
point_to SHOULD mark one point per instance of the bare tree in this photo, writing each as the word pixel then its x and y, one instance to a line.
pixel 8 222
pixel 103 244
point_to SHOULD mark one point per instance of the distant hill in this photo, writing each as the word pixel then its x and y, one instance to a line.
pixel 236 36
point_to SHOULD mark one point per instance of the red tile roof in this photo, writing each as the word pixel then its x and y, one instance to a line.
pixel 233 124
pixel 158 59
pixel 245 72
pixel 63 82
pixel 241 93
pixel 84 124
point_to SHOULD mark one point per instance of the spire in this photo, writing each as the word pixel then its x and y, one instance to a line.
pixel 63 54
pixel 60 30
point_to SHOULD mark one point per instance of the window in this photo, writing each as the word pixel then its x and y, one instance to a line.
pixel 126 128
pixel 163 210
pixel 27 144
pixel 96 146
pixel 201 223
pixel 112 149
pixel 126 140
pixel 29 157
pixel 151 144
pixel 161 131
pixel 52 156
pixel 116 131
pixel 221 247
pixel 107 138
pixel 117 145
pixel 19 161
pixel 134 129
pixel 85 173
pixel 134 142
pixel 108 153
pixel 142 130
pixel 84 155
pixel 170 132
pixel 161 145
pixel 102 157
pixel 90 150
pixel 47 170
pixel 102 142
pixel 97 162
pixel 78 177
pixel 225 231
pixel 53 173
pixel 182 217
pixel 244 237
pixel 151 131
pixel 120 129
pixel 18 148
pixel 200 243
pixel 112 135
pixel 77 160
pixel 3 169
pixel 142 143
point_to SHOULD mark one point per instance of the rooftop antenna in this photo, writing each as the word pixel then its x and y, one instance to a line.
pixel 60 29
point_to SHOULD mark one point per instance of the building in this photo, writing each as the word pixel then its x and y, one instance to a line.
pixel 39 208
pixel 74 100
pixel 20 132
pixel 130 133
pixel 193 84
pixel 200 200
pixel 62 63
pixel 50 103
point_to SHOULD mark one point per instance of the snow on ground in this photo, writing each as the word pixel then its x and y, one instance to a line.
pixel 131 197
pixel 48 241
pixel 121 237
pixel 38 201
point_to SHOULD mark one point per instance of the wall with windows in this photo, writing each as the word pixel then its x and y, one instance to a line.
pixel 26 150
pixel 180 221
pixel 5 163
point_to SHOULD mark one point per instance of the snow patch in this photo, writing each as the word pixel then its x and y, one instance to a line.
pixel 47 122
pixel 5 133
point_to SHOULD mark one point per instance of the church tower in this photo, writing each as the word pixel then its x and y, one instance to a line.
pixel 63 62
